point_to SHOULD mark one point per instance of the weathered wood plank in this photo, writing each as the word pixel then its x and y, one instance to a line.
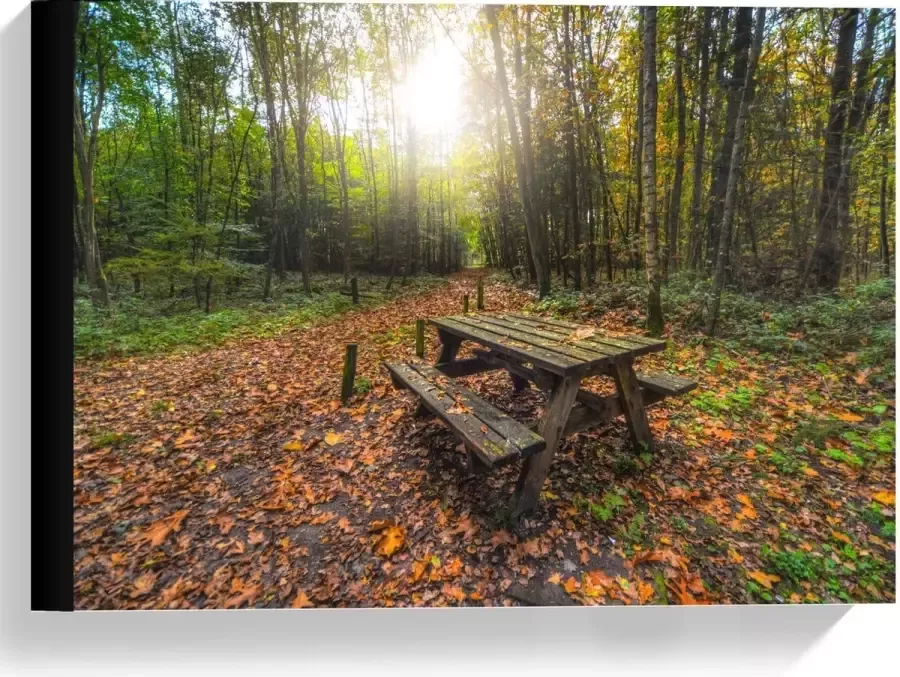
pixel 553 423
pixel 530 330
pixel 503 424
pixel 449 346
pixel 554 362
pixel 632 405
pixel 637 345
pixel 467 367
pixel 495 437
pixel 656 344
pixel 666 384
pixel 594 357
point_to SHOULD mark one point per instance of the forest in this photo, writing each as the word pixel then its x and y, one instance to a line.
pixel 227 144
pixel 718 182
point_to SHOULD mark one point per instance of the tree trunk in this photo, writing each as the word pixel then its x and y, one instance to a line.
pixel 737 154
pixel 700 144
pixel 537 241
pixel 825 263
pixel 740 48
pixel 855 126
pixel 571 160
pixel 675 198
pixel 654 305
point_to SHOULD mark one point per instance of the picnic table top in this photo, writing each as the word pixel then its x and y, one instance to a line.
pixel 560 347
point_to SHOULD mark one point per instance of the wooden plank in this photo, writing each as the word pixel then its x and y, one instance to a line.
pixel 593 357
pixel 554 362
pixel 520 436
pixel 666 384
pixel 633 405
pixel 494 436
pixel 601 351
pixel 536 377
pixel 467 367
pixel 492 448
pixel 586 358
pixel 553 423
pixel 637 345
pixel 449 346
pixel 656 344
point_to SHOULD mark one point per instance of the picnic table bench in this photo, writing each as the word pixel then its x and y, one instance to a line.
pixel 554 355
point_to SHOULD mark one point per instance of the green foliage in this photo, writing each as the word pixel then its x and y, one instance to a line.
pixel 112 439
pixel 795 565
pixel 362 385
pixel 611 502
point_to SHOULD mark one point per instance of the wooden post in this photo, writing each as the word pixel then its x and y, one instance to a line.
pixel 420 338
pixel 349 372
pixel 480 304
pixel 354 291
pixel 465 303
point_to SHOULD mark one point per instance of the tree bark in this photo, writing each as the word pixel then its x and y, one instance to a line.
pixel 737 154
pixel 537 241
pixel 654 305
pixel 825 262
pixel 675 199
pixel 700 144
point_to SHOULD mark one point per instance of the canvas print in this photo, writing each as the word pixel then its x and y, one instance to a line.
pixel 419 305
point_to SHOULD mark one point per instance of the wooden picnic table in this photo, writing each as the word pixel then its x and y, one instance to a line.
pixel 557 356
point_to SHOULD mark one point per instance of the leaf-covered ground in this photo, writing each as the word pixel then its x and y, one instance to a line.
pixel 233 478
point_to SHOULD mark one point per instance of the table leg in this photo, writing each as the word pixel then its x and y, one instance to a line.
pixel 535 469
pixel 632 405
pixel 449 346
pixel 519 383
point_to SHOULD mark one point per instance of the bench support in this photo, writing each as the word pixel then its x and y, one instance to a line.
pixel 632 405
pixel 535 469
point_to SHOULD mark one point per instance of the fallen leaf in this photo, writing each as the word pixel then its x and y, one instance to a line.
pixel 143 585
pixel 333 438
pixel 764 579
pixel 248 595
pixel 850 417
pixel 837 535
pixel 454 592
pixel 571 585
pixel 884 497
pixel 159 531
pixel 301 601
pixel 293 445
pixel 392 540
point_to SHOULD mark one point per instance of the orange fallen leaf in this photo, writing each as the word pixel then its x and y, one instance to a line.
pixel 417 570
pixel 248 595
pixel 764 579
pixel 453 591
pixel 116 558
pixel 333 438
pixel 884 497
pixel 293 445
pixel 392 539
pixel 143 585
pixel 645 592
pixel 571 585
pixel 301 601
pixel 850 417
pixel 157 532
pixel 554 578
pixel 837 535
pixel 735 556
pixel 601 578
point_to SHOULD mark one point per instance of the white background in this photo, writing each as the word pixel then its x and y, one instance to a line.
pixel 807 640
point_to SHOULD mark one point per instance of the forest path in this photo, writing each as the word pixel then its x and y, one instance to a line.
pixel 233 477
